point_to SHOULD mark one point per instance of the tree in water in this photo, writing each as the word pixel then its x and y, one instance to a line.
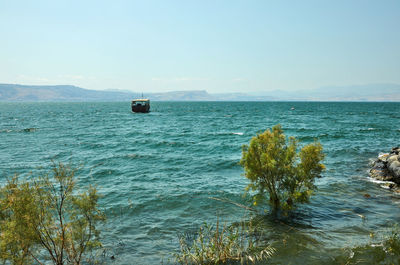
pixel 273 165
pixel 46 219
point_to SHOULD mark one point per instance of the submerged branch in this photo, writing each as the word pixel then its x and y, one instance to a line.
pixel 234 203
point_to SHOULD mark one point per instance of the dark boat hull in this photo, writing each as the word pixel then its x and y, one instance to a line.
pixel 142 109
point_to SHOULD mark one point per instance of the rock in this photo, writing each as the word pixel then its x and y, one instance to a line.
pixel 380 174
pixel 392 158
pixel 383 157
pixel 387 168
pixel 395 150
pixel 394 169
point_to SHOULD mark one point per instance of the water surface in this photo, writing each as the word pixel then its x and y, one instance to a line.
pixel 158 171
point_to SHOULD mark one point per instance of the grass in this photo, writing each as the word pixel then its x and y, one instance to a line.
pixel 240 244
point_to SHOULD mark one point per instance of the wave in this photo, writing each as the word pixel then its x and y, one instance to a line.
pixel 379 181
pixel 29 129
pixel 223 133
pixel 367 129
pixel 25 130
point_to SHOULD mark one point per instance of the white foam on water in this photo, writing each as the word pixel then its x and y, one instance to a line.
pixel 379 181
pixel 237 133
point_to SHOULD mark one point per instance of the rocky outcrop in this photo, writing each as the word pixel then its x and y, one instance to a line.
pixel 387 168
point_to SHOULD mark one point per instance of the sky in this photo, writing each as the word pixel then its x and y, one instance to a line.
pixel 221 46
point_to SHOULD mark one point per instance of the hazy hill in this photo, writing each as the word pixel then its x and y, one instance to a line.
pixel 371 92
pixel 14 92
pixel 374 92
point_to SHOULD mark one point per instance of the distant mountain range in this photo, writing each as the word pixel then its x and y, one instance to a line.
pixel 374 92
pixel 371 92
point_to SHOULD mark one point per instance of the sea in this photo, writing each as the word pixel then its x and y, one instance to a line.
pixel 164 174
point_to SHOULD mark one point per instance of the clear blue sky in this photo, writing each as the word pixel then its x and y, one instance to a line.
pixel 218 46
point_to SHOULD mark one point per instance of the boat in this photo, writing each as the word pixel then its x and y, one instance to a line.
pixel 141 105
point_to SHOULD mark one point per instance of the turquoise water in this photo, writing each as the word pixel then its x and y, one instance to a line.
pixel 158 171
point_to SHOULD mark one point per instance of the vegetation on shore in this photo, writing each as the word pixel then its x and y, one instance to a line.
pixel 46 219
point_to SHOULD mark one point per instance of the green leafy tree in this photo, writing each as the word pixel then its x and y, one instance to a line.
pixel 274 166
pixel 46 219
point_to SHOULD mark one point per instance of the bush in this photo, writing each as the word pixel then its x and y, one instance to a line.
pixel 274 166
pixel 226 245
pixel 48 216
